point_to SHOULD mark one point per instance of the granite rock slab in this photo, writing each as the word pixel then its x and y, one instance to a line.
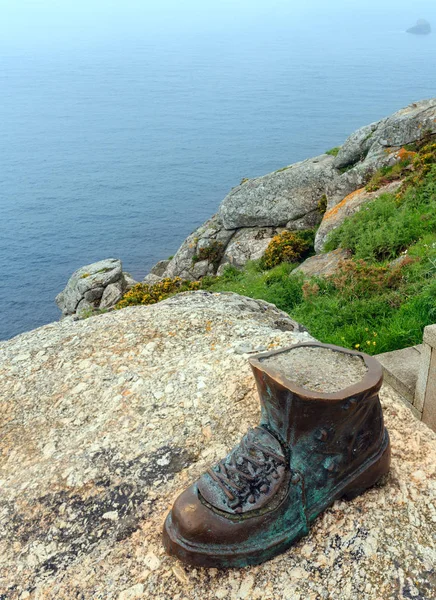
pixel 105 421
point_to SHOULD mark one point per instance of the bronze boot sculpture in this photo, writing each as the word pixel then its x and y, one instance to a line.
pixel 310 449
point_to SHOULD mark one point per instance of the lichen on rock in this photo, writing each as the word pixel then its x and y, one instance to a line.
pixel 97 286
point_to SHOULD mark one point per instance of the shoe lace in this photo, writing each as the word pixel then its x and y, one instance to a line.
pixel 247 471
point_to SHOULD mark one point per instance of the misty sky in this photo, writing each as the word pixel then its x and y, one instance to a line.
pixel 42 21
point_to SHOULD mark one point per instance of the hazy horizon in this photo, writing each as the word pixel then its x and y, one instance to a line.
pixel 42 23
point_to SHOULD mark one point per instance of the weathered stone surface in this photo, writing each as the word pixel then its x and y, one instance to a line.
pixel 308 221
pixel 356 147
pixel 351 204
pixel 129 281
pixel 425 394
pixel 280 197
pixel 160 267
pixel 247 244
pixel 401 369
pixel 94 295
pixel 406 126
pixel 429 409
pixel 84 286
pixel 151 279
pixel 322 265
pixel 185 262
pixel 120 412
pixel 112 294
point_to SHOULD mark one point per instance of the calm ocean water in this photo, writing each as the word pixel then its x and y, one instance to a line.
pixel 122 150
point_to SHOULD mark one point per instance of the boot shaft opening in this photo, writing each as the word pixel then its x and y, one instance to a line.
pixel 317 368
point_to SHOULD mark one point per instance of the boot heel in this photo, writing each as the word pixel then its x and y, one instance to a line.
pixel 371 475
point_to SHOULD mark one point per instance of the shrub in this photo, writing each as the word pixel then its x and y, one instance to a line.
pixel 288 246
pixel 212 253
pixel 322 204
pixel 144 293
pixel 333 151
pixel 387 175
pixel 358 279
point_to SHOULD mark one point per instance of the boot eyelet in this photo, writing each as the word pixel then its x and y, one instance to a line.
pixel 321 435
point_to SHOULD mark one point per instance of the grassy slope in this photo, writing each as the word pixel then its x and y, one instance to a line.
pixel 370 305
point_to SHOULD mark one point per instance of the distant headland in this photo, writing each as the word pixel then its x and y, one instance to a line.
pixel 422 27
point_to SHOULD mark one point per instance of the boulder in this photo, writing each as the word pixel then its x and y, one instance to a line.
pixel 379 145
pixel 247 244
pixel 87 286
pixel 356 147
pixel 130 282
pixel 151 279
pixel 105 421
pixel 209 241
pixel 160 267
pixel 351 204
pixel 323 265
pixel 112 294
pixel 422 27
pixel 373 143
pixel 278 198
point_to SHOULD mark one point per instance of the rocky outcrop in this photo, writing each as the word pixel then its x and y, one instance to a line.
pixel 97 286
pixel 201 252
pixel 291 197
pixel 351 204
pixel 105 421
pixel 378 145
pixel 278 199
pixel 323 265
pixel 422 27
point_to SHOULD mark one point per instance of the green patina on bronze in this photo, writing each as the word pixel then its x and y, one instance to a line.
pixel 309 449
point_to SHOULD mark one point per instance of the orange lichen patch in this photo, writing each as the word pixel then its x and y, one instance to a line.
pixel 404 154
pixel 334 211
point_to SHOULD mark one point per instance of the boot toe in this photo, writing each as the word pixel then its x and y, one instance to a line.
pixel 190 520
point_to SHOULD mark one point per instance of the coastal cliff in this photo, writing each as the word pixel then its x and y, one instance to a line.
pixel 316 195
pixel 292 197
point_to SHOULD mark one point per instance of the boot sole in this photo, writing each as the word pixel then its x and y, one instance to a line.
pixel 207 556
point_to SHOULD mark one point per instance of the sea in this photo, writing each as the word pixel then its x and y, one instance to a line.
pixel 122 148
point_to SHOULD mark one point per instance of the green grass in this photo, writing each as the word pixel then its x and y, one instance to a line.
pixel 369 305
pixel 333 151
pixel 376 319
pixel 390 224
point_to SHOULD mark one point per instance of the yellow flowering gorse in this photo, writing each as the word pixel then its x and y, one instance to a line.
pixel 145 294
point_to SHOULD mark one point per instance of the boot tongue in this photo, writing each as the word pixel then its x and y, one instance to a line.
pixel 248 477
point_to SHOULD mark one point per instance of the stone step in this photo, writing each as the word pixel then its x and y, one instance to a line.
pixel 401 369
